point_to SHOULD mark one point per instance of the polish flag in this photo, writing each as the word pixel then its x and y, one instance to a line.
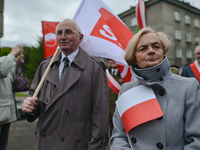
pixel 105 35
pixel 112 83
pixel 137 106
pixel 140 14
pixel 49 38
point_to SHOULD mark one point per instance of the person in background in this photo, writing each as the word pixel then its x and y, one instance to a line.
pixel 113 70
pixel 193 69
pixel 178 97
pixel 72 105
pixel 8 110
pixel 175 69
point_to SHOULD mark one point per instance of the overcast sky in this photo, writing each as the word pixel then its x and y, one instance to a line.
pixel 22 18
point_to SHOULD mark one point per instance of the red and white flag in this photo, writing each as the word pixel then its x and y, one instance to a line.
pixel 105 35
pixel 49 38
pixel 140 14
pixel 112 83
pixel 138 105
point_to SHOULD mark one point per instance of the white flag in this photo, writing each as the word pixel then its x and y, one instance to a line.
pixel 105 35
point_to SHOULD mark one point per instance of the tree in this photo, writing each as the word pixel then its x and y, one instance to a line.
pixel 32 57
pixel 36 55
pixel 5 51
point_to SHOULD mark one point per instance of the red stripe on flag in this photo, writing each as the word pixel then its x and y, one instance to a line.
pixel 141 113
pixel 139 18
pixel 113 87
pixel 128 76
pixel 112 83
pixel 195 71
pixel 140 14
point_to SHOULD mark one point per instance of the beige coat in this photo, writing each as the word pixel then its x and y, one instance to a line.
pixel 73 112
pixel 8 111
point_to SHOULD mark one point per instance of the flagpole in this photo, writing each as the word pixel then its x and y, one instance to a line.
pixel 129 142
pixel 45 74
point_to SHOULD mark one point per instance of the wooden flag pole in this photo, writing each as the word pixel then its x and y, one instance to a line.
pixel 45 74
pixel 129 142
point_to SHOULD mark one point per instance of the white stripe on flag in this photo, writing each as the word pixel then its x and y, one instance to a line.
pixel 133 97
pixel 112 80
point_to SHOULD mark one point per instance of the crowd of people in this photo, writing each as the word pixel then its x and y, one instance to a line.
pixel 76 109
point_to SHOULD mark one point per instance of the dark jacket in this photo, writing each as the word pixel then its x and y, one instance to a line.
pixel 187 72
pixel 73 112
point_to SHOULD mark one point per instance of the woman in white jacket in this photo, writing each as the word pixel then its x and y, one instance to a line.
pixel 8 111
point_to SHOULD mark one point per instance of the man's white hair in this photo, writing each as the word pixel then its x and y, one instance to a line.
pixel 78 28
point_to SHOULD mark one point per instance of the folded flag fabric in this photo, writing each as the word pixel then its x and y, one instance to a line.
pixel 140 14
pixel 138 105
pixel 105 35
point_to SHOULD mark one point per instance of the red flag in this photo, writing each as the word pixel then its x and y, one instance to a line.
pixel 105 35
pixel 49 38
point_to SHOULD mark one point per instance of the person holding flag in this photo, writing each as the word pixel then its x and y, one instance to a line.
pixel 72 105
pixel 160 110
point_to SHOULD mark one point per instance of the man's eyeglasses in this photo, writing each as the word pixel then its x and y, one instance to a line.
pixel 67 32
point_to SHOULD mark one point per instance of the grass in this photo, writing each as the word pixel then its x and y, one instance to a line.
pixel 18 94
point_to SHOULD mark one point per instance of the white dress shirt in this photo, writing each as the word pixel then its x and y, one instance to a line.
pixel 70 57
pixel 114 70
pixel 197 65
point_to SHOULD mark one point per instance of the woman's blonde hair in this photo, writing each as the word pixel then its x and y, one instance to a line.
pixel 132 46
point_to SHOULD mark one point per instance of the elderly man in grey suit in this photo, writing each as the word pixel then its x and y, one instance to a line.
pixel 72 105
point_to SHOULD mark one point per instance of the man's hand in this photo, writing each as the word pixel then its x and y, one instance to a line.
pixel 29 104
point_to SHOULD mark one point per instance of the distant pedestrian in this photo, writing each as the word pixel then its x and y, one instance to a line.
pixel 193 69
pixel 113 70
pixel 175 69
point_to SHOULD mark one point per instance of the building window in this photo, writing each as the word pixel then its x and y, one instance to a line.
pixel 177 34
pixel 177 16
pixel 197 40
pixel 196 22
pixel 178 52
pixel 188 37
pixel 133 21
pixel 189 54
pixel 187 19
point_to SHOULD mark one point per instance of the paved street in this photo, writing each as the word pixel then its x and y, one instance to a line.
pixel 21 135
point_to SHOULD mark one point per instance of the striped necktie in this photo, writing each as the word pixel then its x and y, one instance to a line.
pixel 66 65
pixel 113 73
